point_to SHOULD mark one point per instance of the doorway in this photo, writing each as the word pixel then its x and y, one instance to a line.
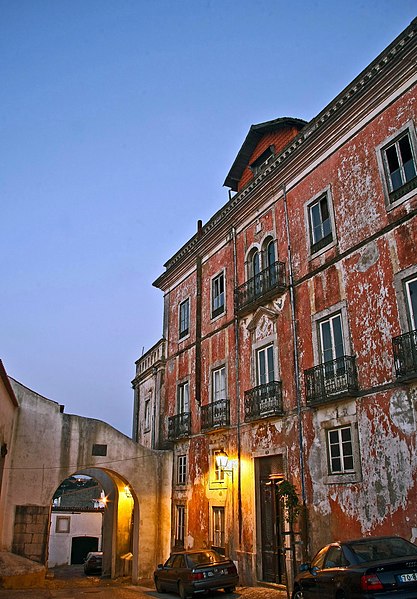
pixel 272 528
pixel 80 547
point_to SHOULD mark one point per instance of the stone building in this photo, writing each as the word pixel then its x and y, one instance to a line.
pixel 290 337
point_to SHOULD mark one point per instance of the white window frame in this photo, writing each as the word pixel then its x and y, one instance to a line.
pixel 218 392
pixel 412 316
pixel 308 223
pixel 183 398
pixel 323 315
pixel 400 281
pixel 382 164
pixel 340 448
pixel 217 310
pixel 180 524
pixel 182 469
pixel 218 526
pixel 63 524
pixel 258 352
pixel 183 333
pixel 354 475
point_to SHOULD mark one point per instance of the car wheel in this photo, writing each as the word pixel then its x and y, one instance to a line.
pixel 181 591
pixel 297 594
pixel 229 589
pixel 158 585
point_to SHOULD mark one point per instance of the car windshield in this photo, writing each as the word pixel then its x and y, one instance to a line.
pixel 204 557
pixel 373 550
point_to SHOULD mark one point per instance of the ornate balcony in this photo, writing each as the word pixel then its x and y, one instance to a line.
pixel 405 355
pixel 215 415
pixel 179 426
pixel 331 380
pixel 260 288
pixel 263 401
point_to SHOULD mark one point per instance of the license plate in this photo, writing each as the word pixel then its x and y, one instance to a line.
pixel 412 577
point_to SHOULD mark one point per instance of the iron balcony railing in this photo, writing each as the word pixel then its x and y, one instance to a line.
pixel 215 415
pixel 261 287
pixel 179 426
pixel 405 355
pixel 330 380
pixel 263 401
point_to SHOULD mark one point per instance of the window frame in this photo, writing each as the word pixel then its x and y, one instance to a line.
pixel 318 247
pixel 341 446
pixel 147 414
pixel 323 315
pixel 219 310
pixel 182 469
pixel 213 386
pixel 353 476
pixel 258 351
pixel 180 524
pixel 181 402
pixel 183 332
pixel 401 279
pixel 219 533
pixel 63 520
pixel 400 196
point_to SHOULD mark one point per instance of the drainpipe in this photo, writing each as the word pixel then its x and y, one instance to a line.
pixel 237 383
pixel 295 346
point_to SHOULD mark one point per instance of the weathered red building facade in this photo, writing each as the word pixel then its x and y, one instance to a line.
pixel 290 338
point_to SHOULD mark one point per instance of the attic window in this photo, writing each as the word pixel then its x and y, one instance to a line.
pixel 257 164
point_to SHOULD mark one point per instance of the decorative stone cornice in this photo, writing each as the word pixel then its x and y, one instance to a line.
pixel 317 127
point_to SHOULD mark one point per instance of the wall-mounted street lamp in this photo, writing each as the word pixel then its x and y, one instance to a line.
pixel 222 463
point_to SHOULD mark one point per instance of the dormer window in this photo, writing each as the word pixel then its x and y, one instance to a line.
pixel 260 162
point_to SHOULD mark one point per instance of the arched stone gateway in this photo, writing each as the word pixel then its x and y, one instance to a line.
pixel 49 446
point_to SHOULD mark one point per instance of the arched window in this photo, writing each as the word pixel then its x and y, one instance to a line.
pixel 256 264
pixel 270 253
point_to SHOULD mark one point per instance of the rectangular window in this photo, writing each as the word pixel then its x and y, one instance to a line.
pixel 181 469
pixel 217 295
pixel 218 528
pixel 184 318
pixel 399 162
pixel 183 399
pixel 411 295
pixel 340 450
pixel 320 223
pixel 265 365
pixel 147 415
pixel 331 338
pixel 218 472
pixel 180 525
pixel 218 382
pixel 62 524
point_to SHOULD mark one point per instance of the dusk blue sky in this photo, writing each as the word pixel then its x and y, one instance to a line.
pixel 119 122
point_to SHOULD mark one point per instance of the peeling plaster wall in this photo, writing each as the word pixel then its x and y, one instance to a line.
pixel 49 446
pixel 355 274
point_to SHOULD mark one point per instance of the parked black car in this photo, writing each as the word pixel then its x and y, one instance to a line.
pixel 93 562
pixel 188 572
pixel 368 568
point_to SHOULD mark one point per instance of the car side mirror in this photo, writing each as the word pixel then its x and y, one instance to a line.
pixel 314 570
pixel 160 566
pixel 304 567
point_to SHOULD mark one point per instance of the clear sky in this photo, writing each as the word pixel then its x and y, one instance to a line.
pixel 119 121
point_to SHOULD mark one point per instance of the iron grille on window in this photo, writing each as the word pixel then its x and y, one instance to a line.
pixel 215 415
pixel 405 355
pixel 179 426
pixel 261 286
pixel 331 379
pixel 263 401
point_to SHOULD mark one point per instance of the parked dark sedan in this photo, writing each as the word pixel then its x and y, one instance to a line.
pixel 369 568
pixel 188 572
pixel 93 562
